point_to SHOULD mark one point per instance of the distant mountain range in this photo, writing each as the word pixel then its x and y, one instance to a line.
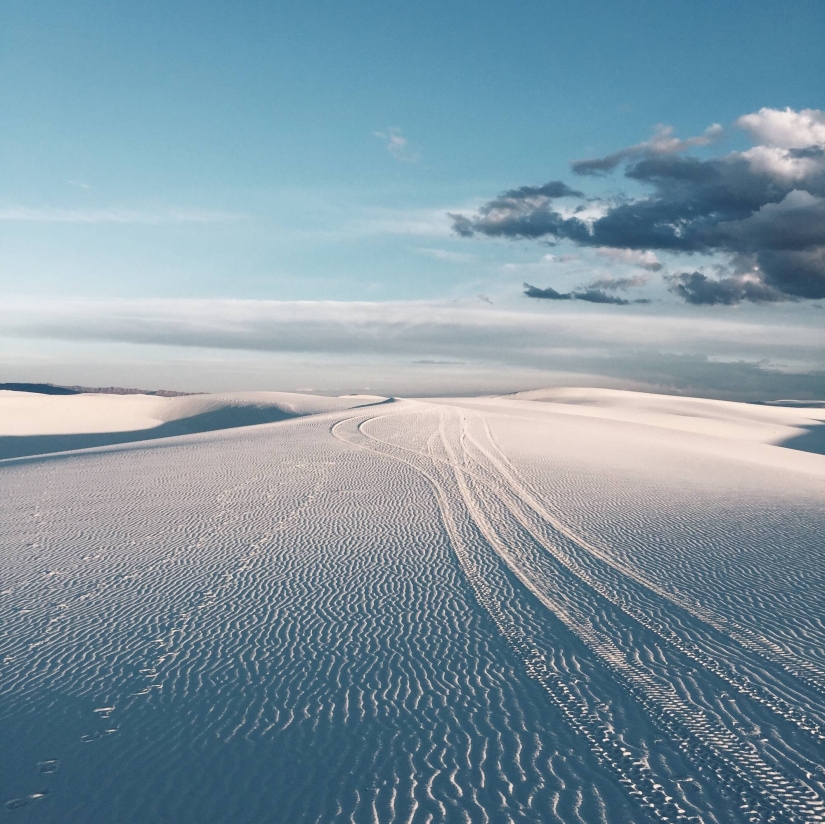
pixel 54 389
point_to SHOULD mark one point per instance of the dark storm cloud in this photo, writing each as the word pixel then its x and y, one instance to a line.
pixel 588 295
pixel 600 296
pixel 767 203
pixel 598 165
pixel 533 202
pixel 545 294
pixel 462 225
pixel 798 273
pixel 809 151
pixel 698 289
pixel 555 188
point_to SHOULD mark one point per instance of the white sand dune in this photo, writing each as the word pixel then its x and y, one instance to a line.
pixel 757 423
pixel 31 423
pixel 483 610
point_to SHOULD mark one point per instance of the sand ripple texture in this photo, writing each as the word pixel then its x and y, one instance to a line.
pixel 451 611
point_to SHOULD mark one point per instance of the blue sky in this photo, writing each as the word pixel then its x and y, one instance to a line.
pixel 313 152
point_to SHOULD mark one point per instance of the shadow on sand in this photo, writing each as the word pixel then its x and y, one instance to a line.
pixel 812 440
pixel 229 418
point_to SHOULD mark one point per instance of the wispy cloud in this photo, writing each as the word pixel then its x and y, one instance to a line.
pixel 397 145
pixel 663 142
pixel 416 222
pixel 447 255
pixel 161 216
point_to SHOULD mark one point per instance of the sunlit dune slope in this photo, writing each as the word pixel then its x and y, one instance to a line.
pixel 795 425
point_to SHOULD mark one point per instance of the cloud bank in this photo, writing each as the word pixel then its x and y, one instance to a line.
pixel 698 355
pixel 762 210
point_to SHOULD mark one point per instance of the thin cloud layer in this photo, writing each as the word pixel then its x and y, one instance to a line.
pixel 764 206
pixel 663 142
pixel 126 216
pixel 726 357
pixel 698 289
pixel 333 326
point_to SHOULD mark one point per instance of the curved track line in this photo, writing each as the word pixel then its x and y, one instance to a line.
pixel 746 637
pixel 712 741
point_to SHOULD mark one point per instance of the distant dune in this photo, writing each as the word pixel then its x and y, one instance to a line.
pixel 38 423
pixel 56 389
pixel 793 424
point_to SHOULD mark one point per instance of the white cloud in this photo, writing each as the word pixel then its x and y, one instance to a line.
pixel 397 145
pixel 550 258
pixel 664 142
pixel 632 257
pixel 778 133
pixel 785 128
pixel 782 164
pixel 588 213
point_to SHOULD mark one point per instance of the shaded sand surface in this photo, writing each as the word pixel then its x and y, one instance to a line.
pixel 483 610
pixel 35 424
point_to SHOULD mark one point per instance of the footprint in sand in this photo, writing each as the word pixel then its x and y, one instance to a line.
pixel 17 803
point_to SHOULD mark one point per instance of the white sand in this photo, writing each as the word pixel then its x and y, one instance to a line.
pixel 603 607
pixel 756 423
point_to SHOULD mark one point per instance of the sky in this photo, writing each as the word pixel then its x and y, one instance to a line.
pixel 408 199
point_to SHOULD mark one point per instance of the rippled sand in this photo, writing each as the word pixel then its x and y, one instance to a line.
pixel 481 610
